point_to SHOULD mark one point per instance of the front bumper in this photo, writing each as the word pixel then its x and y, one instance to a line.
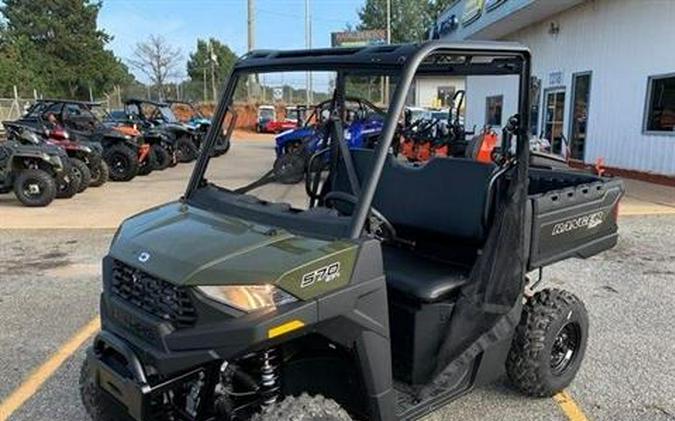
pixel 118 371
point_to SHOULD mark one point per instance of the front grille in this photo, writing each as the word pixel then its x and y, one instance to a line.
pixel 152 295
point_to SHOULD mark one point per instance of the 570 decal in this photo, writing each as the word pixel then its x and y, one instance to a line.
pixel 323 274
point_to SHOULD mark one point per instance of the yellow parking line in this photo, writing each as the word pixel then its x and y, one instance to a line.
pixel 569 406
pixel 40 375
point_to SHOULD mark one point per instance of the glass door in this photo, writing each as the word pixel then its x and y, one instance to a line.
pixel 581 95
pixel 554 118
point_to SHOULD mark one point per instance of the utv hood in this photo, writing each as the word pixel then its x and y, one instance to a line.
pixel 188 246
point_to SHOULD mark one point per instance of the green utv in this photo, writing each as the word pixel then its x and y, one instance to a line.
pixel 398 288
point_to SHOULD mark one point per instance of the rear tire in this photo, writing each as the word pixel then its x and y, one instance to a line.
pixel 35 188
pixel 99 174
pixel 122 163
pixel 549 343
pixel 186 151
pixel 97 404
pixel 304 408
pixel 82 173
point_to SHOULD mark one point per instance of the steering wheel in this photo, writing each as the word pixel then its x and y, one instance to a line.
pixel 378 224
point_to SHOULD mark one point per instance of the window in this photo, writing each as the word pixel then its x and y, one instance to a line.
pixel 444 95
pixel 554 119
pixel 661 104
pixel 535 98
pixel 581 96
pixel 493 110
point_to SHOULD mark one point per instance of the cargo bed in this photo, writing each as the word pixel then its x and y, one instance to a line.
pixel 570 214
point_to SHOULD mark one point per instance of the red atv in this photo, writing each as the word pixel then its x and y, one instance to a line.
pixel 87 157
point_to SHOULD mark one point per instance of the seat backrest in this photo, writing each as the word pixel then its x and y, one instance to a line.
pixel 445 196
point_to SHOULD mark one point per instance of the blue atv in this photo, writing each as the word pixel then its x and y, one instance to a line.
pixel 294 148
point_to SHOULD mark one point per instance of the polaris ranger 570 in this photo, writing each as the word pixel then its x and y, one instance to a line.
pixel 399 288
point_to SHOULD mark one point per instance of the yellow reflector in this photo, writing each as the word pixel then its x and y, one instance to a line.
pixel 284 328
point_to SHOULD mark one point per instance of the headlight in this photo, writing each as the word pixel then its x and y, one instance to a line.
pixel 248 298
pixel 54 159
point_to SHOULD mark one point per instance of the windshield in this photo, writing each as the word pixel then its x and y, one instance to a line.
pixel 267 114
pixel 283 174
pixel 167 114
pixel 276 157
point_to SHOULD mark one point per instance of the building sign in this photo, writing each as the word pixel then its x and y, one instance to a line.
pixel 493 4
pixel 555 78
pixel 472 11
pixel 359 38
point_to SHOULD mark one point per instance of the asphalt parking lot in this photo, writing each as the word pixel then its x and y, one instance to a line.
pixel 49 286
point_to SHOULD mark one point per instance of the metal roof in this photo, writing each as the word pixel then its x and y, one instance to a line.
pixel 376 58
pixel 145 101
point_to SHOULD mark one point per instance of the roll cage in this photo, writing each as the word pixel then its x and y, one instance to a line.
pixel 403 61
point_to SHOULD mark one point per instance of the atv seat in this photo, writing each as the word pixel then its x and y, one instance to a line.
pixel 425 279
pixel 446 198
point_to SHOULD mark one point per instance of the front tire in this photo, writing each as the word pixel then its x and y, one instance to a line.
pixel 98 406
pixel 35 188
pixel 67 186
pixel 289 167
pixel 549 343
pixel 122 163
pixel 161 157
pixel 82 173
pixel 99 174
pixel 304 408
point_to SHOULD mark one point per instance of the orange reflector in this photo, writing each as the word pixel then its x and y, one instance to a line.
pixel 284 328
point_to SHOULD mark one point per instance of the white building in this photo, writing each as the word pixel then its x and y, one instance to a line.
pixel 604 73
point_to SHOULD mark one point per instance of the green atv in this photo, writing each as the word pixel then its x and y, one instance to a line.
pixel 34 171
pixel 400 287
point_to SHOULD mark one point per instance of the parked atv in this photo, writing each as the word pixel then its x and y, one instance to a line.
pixel 33 170
pixel 400 288
pixel 123 154
pixel 363 125
pixel 86 157
pixel 157 117
pixel 201 125
pixel 162 153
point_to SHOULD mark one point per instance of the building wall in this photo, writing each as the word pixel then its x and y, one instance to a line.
pixel 427 88
pixel 479 88
pixel 622 42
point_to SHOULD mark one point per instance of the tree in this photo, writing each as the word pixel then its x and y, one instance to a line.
pixel 410 19
pixel 200 61
pixel 158 60
pixel 56 46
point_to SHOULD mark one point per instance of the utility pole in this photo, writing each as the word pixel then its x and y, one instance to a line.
pixel 308 44
pixel 252 79
pixel 213 58
pixel 386 79
pixel 204 79
pixel 251 25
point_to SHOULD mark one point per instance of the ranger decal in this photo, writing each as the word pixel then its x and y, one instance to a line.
pixel 589 221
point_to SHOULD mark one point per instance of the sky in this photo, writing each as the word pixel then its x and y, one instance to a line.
pixel 279 23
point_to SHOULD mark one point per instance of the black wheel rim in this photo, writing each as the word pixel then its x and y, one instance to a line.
pixel 33 188
pixel 77 174
pixel 565 348
pixel 119 164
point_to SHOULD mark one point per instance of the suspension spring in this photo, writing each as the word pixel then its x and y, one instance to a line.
pixel 269 377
